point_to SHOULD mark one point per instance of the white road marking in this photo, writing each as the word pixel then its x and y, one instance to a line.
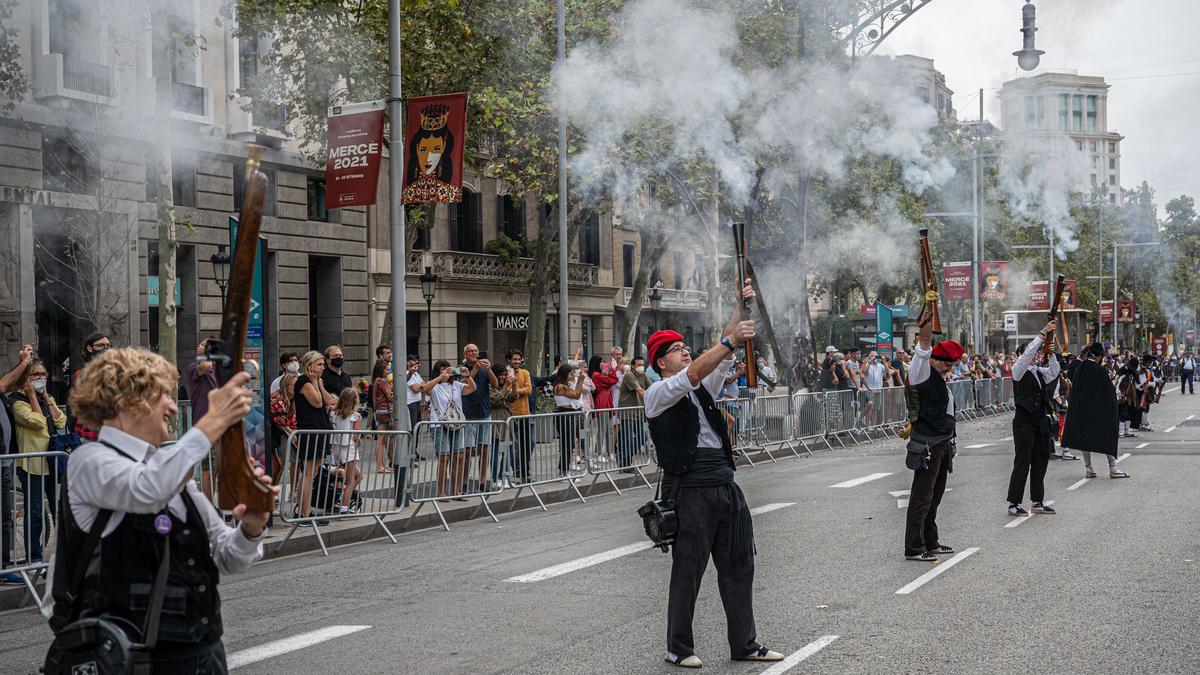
pixel 901 497
pixel 859 481
pixel 1079 483
pixel 1190 416
pixel 1017 521
pixel 795 658
pixel 245 657
pixel 767 508
pixel 979 445
pixel 1122 458
pixel 1141 445
pixel 612 554
pixel 1007 438
pixel 938 569
pixel 1168 430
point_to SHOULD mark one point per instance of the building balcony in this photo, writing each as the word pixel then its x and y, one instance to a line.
pixel 56 76
pixel 264 124
pixel 190 102
pixel 673 299
pixel 490 269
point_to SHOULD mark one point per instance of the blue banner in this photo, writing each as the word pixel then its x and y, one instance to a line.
pixel 883 330
pixel 256 420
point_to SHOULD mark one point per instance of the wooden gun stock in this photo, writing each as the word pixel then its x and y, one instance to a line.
pixel 235 468
pixel 1055 311
pixel 739 242
pixel 929 313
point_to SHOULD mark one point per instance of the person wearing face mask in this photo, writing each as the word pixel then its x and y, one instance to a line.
pixel 37 417
pixel 9 382
pixel 94 346
pixel 289 362
pixel 633 392
pixel 335 378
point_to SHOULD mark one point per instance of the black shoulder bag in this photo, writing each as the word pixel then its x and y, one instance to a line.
pixel 659 517
pixel 105 644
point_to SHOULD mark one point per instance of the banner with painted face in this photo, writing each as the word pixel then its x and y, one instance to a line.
pixel 434 134
pixel 1039 295
pixel 993 280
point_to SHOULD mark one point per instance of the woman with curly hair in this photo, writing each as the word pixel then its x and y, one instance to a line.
pixel 143 498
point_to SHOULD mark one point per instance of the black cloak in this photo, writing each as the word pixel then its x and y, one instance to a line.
pixel 1092 422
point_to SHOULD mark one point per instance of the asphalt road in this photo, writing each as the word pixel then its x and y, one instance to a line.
pixel 1108 585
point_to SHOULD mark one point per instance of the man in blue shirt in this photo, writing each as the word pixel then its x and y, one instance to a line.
pixel 478 406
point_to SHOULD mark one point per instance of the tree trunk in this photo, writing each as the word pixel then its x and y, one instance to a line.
pixel 160 154
pixel 804 324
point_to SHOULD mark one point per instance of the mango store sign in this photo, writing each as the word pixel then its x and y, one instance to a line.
pixel 512 322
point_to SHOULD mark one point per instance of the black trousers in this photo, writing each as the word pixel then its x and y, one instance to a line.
pixel 928 486
pixel 1185 381
pixel 7 524
pixel 1033 447
pixel 708 517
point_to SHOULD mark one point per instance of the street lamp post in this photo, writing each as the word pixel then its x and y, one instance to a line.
pixel 428 289
pixel 1117 245
pixel 1029 56
pixel 655 303
pixel 220 262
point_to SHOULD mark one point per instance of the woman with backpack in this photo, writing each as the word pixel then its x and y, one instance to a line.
pixel 445 392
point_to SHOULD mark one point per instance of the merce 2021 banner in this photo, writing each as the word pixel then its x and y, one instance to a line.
pixel 354 150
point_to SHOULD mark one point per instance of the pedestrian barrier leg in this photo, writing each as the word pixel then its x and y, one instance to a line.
pixel 618 441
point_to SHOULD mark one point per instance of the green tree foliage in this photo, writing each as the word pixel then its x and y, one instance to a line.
pixel 13 80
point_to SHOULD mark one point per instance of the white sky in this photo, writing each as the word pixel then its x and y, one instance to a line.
pixel 1128 42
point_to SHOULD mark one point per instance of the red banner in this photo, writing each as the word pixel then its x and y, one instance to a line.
pixel 354 151
pixel 1039 295
pixel 993 284
pixel 956 281
pixel 1125 311
pixel 1106 311
pixel 435 129
pixel 1158 345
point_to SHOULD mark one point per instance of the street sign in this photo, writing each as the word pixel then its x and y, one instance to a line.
pixel 1010 323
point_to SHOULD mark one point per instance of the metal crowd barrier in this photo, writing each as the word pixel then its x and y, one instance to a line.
pixel 808 418
pixel 549 448
pixel 964 398
pixel 774 425
pixel 894 409
pixel 29 501
pixel 457 462
pixel 741 429
pixel 328 476
pixel 617 441
pixel 840 414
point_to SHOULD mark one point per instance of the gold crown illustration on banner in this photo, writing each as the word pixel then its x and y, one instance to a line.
pixel 434 116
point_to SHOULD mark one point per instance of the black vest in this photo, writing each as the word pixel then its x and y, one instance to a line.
pixel 676 432
pixel 933 399
pixel 1030 395
pixel 120 577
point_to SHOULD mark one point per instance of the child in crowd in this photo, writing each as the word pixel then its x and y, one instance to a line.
pixel 346 417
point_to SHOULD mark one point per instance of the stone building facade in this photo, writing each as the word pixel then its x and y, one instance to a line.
pixel 74 178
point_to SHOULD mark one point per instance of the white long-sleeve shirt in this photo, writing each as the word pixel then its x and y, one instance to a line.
pixel 919 370
pixel 99 478
pixel 1025 363
pixel 668 391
